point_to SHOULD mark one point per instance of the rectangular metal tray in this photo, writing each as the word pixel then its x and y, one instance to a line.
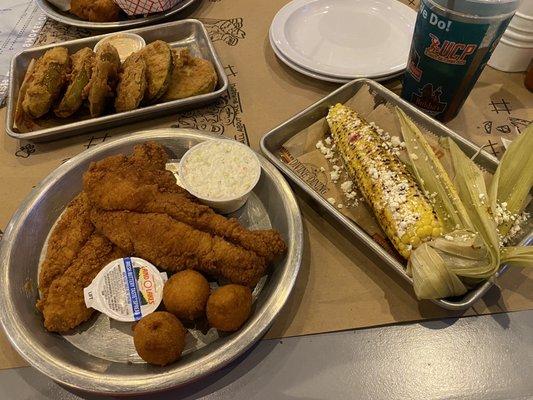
pixel 273 140
pixel 190 33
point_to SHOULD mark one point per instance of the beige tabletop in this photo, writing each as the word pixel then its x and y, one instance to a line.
pixel 340 286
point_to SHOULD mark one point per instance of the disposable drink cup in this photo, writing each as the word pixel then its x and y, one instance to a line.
pixel 452 42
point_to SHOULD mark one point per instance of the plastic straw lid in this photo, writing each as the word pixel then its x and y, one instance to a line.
pixel 478 8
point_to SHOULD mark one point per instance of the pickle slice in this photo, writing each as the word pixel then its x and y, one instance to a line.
pixel 82 67
pixel 48 78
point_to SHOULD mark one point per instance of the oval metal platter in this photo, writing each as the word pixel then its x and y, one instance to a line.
pixel 70 19
pixel 99 355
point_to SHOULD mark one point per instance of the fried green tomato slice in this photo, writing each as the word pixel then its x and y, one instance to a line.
pixel 159 65
pixel 82 68
pixel 47 80
pixel 132 84
pixel 103 80
pixel 196 77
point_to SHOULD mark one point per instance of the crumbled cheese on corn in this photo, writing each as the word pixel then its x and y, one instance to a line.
pixel 334 176
pixel 331 200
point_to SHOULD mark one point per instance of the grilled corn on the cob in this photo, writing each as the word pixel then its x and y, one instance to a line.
pixel 404 213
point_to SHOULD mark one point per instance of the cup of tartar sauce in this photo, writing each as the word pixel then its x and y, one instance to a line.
pixel 221 173
pixel 126 289
pixel 125 43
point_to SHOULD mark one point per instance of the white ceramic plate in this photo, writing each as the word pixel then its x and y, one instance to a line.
pixel 315 75
pixel 345 39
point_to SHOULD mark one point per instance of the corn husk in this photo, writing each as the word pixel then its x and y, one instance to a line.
pixel 470 250
pixel 472 191
pixel 505 187
pixel 432 177
pixel 519 256
pixel 432 279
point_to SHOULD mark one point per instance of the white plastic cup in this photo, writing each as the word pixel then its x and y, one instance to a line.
pixel 519 36
pixel 511 55
pixel 525 9
pixel 522 23
pixel 135 43
pixel 223 205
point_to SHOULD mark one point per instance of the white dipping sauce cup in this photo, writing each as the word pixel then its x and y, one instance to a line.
pixel 125 43
pixel 224 205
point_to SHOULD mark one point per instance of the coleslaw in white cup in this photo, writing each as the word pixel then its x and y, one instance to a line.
pixel 220 173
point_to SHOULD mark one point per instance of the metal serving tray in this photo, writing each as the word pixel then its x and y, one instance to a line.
pixel 190 33
pixel 98 356
pixel 66 18
pixel 273 140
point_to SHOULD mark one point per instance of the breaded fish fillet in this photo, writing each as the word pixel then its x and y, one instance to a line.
pixel 132 84
pixel 111 184
pixel 175 246
pixel 82 68
pixel 95 10
pixel 159 63
pixel 64 307
pixel 48 78
pixel 68 237
pixel 104 78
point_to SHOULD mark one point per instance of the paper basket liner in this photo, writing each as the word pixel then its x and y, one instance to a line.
pixel 143 7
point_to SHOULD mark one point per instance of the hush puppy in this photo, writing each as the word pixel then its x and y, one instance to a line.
pixel 159 338
pixel 229 307
pixel 185 294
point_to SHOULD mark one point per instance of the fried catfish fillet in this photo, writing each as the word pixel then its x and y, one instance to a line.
pixel 82 68
pixel 69 235
pixel 64 306
pixel 49 75
pixel 104 78
pixel 132 84
pixel 113 184
pixel 175 246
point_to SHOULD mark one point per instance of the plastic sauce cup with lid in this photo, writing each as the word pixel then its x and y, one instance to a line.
pixel 125 43
pixel 126 289
pixel 221 173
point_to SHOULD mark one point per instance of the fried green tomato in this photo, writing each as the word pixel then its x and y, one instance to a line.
pixel 229 307
pixel 82 68
pixel 103 80
pixel 196 77
pixel 132 84
pixel 185 294
pixel 159 338
pixel 46 82
pixel 159 64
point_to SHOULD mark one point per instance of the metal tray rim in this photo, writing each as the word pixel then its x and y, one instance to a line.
pixel 474 295
pixel 95 122
pixel 117 25
pixel 228 352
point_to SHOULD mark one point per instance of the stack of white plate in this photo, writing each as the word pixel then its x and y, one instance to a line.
pixel 341 40
pixel 515 50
